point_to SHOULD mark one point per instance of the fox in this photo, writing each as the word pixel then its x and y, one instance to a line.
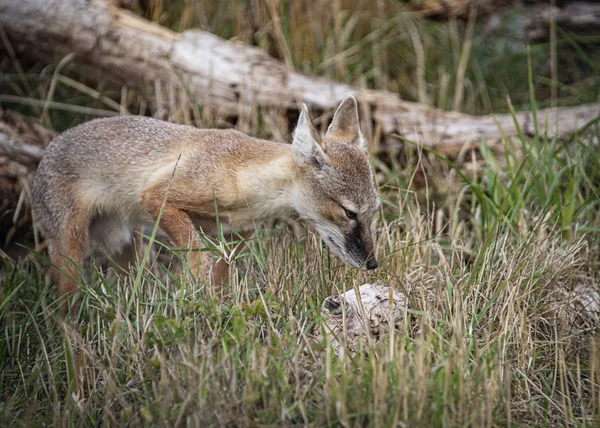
pixel 101 181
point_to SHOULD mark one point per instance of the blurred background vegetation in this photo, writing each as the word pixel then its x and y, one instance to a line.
pixel 470 59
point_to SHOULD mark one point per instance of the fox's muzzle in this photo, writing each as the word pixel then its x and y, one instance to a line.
pixel 372 264
pixel 359 244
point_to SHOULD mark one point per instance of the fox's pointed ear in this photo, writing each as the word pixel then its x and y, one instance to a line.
pixel 306 146
pixel 345 124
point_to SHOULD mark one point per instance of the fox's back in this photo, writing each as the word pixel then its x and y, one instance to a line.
pixel 133 143
pixel 105 164
pixel 104 145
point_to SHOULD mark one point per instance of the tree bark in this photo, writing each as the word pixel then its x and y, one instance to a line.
pixel 580 17
pixel 233 77
pixel 22 143
pixel 454 8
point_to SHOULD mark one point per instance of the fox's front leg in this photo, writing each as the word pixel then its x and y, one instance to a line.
pixel 205 263
pixel 218 267
pixel 179 227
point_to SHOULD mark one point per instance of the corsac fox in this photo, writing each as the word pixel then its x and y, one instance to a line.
pixel 100 181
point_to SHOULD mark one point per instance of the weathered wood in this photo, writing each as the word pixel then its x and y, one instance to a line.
pixel 231 76
pixel 535 17
pixel 22 139
pixel 454 8
pixel 580 17
pixel 22 142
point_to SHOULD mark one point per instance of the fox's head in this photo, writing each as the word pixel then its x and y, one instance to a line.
pixel 336 192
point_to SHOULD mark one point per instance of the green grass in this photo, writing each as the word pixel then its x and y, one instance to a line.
pixel 499 262
pixel 499 330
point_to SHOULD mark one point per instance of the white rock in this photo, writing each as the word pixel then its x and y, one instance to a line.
pixel 353 316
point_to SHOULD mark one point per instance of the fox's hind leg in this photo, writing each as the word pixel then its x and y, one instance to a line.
pixel 67 251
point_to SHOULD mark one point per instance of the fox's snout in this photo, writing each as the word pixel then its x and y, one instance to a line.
pixel 366 260
pixel 354 250
pixel 359 246
pixel 372 264
pixel 363 256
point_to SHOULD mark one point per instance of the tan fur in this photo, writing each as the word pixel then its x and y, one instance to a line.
pixel 102 180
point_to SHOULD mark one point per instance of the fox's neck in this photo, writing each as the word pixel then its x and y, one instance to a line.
pixel 268 183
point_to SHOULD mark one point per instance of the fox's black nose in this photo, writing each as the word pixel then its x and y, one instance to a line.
pixel 372 264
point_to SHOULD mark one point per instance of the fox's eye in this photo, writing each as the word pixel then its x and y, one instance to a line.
pixel 350 214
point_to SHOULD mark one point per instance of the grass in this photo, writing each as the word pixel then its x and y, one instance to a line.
pixel 501 269
pixel 499 330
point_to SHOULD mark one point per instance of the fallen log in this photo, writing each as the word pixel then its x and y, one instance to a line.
pixel 22 142
pixel 454 8
pixel 579 17
pixel 233 77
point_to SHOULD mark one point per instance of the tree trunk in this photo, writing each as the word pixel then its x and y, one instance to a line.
pixel 22 143
pixel 232 77
pixel 579 17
